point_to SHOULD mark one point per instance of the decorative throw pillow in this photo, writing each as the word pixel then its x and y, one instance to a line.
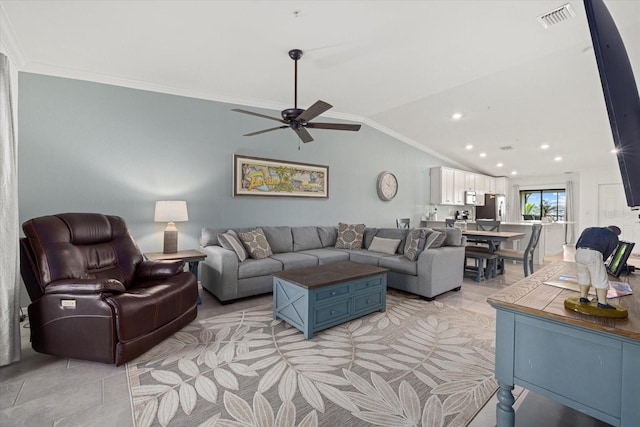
pixel 350 236
pixel 414 244
pixel 256 243
pixel 231 241
pixel 434 239
pixel 386 246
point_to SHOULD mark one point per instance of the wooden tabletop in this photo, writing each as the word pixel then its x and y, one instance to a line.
pixel 190 254
pixel 329 274
pixel 501 236
pixel 531 296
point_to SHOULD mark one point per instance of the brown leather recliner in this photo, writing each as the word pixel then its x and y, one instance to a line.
pixel 93 296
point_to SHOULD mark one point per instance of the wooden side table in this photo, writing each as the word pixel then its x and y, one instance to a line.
pixel 191 257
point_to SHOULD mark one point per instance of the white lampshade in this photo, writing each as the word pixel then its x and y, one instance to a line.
pixel 171 210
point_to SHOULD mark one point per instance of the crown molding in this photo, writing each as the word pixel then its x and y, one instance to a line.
pixel 9 41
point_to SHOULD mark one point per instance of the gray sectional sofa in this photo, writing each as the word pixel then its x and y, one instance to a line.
pixel 436 270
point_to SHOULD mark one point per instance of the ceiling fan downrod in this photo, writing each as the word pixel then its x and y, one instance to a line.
pixel 295 54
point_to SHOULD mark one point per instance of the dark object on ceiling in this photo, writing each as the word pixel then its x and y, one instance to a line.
pixel 299 119
pixel 620 95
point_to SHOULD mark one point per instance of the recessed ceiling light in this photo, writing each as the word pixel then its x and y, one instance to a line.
pixel 614 151
pixel 544 146
pixel 499 165
pixel 557 158
pixel 483 154
pixel 514 173
pixel 456 116
pixel 469 147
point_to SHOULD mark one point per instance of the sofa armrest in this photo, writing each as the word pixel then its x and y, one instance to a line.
pixel 158 269
pixel 219 272
pixel 85 286
pixel 441 269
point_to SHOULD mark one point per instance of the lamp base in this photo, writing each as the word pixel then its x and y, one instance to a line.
pixel 170 242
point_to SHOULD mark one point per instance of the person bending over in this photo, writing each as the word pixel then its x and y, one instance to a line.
pixel 594 246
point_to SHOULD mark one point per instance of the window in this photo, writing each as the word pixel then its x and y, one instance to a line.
pixel 535 204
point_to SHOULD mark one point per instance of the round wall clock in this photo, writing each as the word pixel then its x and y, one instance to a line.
pixel 387 186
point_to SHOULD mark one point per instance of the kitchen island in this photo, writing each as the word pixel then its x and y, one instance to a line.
pixel 551 242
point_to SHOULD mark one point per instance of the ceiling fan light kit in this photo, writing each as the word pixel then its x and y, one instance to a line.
pixel 299 119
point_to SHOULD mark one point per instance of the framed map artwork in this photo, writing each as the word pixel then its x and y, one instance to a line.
pixel 255 176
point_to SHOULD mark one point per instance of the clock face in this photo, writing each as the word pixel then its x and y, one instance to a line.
pixel 387 186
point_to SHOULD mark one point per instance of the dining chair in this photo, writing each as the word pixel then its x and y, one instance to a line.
pixel 526 257
pixel 403 222
pixel 488 225
pixel 449 222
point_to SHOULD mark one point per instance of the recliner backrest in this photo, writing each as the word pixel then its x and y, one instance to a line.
pixel 82 246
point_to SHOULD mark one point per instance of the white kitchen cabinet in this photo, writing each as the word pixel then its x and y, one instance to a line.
pixel 443 186
pixel 470 183
pixel 502 185
pixel 490 185
pixel 458 187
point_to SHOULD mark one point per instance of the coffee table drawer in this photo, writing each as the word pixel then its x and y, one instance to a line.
pixel 332 313
pixel 369 284
pixel 368 301
pixel 331 292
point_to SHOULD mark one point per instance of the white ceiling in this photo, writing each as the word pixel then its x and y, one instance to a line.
pixel 400 66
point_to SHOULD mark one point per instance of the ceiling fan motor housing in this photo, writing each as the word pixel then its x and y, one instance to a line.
pixel 291 113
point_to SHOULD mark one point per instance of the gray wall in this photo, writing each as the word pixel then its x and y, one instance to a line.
pixel 87 147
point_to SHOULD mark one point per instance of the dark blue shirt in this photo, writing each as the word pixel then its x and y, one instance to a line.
pixel 599 239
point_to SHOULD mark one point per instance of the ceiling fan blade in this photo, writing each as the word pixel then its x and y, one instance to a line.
pixel 264 130
pixel 258 114
pixel 314 111
pixel 304 135
pixel 334 126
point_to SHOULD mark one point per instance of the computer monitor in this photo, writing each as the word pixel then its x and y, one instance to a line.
pixel 619 258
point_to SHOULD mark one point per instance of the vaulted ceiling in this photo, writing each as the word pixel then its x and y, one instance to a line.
pixel 404 67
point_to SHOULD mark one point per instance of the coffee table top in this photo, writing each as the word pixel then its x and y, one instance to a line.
pixel 330 274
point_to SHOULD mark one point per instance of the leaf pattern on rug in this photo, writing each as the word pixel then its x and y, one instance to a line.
pixel 418 363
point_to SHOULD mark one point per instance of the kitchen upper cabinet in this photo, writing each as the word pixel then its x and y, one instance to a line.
pixel 490 185
pixel 501 185
pixel 470 183
pixel 458 187
pixel 443 186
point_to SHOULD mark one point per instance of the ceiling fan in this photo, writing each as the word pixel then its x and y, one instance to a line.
pixel 299 119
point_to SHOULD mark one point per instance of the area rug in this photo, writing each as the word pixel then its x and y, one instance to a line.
pixel 417 364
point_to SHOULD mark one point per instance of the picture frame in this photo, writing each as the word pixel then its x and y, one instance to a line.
pixel 262 177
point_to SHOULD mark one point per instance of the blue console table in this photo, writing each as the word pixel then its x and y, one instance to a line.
pixel 588 363
pixel 319 297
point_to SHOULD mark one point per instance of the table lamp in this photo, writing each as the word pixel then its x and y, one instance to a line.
pixel 171 211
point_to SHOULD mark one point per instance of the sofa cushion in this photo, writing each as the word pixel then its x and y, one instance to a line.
pixel 328 235
pixel 399 264
pixel 258 267
pixel 394 233
pixel 369 234
pixel 327 255
pixel 291 260
pixel 280 238
pixel 365 257
pixel 231 241
pixel 350 236
pixel 386 246
pixel 454 236
pixel 414 244
pixel 256 243
pixel 433 239
pixel 305 238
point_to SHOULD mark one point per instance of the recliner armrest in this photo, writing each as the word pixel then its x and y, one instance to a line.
pixel 158 269
pixel 85 286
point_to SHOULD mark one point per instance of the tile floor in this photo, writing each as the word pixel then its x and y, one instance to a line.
pixel 42 390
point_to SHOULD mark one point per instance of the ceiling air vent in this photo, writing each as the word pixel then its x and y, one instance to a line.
pixel 556 16
pixel 506 148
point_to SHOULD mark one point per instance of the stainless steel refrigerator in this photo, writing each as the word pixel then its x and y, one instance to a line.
pixel 494 207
